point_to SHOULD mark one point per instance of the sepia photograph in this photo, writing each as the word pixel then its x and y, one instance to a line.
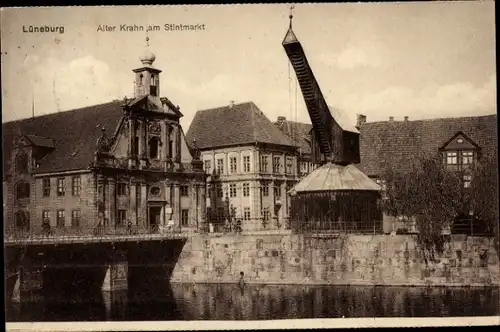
pixel 244 166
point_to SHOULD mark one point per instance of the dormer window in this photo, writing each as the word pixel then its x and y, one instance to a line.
pixel 459 152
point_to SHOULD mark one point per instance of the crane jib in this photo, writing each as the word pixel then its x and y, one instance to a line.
pixel 313 98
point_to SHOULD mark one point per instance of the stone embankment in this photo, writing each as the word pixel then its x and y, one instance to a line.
pixel 336 260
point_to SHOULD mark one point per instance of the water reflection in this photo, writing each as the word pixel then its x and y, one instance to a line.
pixel 257 302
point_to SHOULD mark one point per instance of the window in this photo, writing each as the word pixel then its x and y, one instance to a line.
pixel 46 187
pixel 246 164
pixel 22 190
pixel 303 167
pixel 246 189
pixel 263 164
pixel 277 192
pixel 276 164
pixel 220 213
pixel 265 189
pixel 467 181
pixel 22 219
pixel 220 166
pixel 136 145
pixel 60 186
pixel 451 157
pixel 381 183
pixel 46 216
pixel 155 191
pixel 246 213
pixel 233 165
pixel 121 217
pixel 184 217
pixel 122 189
pixel 153 91
pixel 22 163
pixel 467 157
pixel 184 191
pixel 219 191
pixel 76 185
pixel 154 150
pixel 60 218
pixel 232 190
pixel 266 214
pixel 289 165
pixel 208 166
pixel 75 218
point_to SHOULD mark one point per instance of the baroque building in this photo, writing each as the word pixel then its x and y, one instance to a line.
pixel 116 163
pixel 251 165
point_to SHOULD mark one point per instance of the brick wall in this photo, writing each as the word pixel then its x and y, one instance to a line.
pixel 348 259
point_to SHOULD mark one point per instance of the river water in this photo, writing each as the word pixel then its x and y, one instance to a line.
pixel 259 302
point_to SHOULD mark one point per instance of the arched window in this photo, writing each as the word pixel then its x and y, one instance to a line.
pixel 154 148
pixel 22 219
pixel 141 79
pixel 22 190
pixel 22 163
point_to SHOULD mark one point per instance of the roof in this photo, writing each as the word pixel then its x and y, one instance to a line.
pixel 73 133
pixel 396 142
pixel 298 131
pixel 290 37
pixel 40 141
pixel 342 120
pixel 331 176
pixel 234 125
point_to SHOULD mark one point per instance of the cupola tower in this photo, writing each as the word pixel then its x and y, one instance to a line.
pixel 147 78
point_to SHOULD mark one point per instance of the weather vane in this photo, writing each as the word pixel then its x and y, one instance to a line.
pixel 292 7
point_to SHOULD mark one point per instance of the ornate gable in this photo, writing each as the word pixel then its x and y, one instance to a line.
pixel 459 141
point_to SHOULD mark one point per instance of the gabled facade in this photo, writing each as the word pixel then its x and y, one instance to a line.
pixel 115 163
pixel 250 163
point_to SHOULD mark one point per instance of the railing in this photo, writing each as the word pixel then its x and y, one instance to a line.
pixel 349 227
pixel 41 234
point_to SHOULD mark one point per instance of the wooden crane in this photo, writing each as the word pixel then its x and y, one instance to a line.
pixel 333 139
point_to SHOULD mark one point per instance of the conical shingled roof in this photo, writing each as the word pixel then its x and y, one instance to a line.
pixel 290 37
pixel 333 177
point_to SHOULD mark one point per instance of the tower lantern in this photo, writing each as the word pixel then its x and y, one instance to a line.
pixel 147 78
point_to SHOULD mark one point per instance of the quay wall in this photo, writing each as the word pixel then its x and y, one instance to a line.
pixel 336 260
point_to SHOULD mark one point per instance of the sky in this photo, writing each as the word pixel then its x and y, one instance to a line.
pixel 422 60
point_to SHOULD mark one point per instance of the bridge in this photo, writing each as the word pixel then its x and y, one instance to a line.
pixel 87 259
pixel 86 235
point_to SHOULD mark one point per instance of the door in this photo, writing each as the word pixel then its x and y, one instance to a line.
pixel 154 215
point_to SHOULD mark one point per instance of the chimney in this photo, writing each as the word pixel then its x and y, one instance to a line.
pixel 281 119
pixel 231 103
pixel 406 118
pixel 391 118
pixel 361 120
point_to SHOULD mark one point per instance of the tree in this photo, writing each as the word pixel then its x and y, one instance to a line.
pixel 430 194
pixel 484 195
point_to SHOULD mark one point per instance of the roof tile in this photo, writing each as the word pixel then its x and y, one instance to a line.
pixel 233 125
